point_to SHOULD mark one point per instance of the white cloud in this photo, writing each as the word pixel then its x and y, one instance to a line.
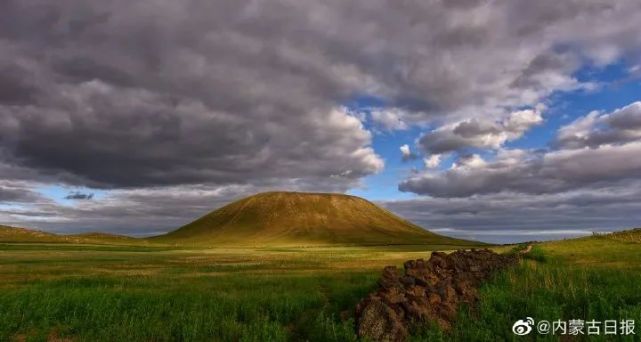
pixel 433 161
pixel 405 151
pixel 594 151
pixel 390 119
pixel 480 133
pixel 468 162
pixel 596 129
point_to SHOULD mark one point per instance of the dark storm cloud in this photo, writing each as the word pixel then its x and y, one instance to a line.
pixel 515 217
pixel 16 191
pixel 157 92
pixel 16 88
pixel 179 106
pixel 112 137
pixel 16 195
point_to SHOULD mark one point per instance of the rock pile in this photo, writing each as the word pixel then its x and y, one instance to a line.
pixel 426 291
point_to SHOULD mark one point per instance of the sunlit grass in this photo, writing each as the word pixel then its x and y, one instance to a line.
pixel 103 293
pixel 130 293
pixel 589 278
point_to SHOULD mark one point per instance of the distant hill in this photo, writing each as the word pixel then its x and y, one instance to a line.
pixel 15 234
pixel 293 218
pixel 24 235
pixel 97 237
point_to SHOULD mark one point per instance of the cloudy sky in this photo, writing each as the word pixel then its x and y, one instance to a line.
pixel 495 120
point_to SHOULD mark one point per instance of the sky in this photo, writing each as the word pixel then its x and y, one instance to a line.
pixel 500 121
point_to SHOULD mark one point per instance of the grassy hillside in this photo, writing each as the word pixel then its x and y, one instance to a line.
pixel 288 218
pixel 15 234
pixel 592 278
pixel 24 235
pixel 632 235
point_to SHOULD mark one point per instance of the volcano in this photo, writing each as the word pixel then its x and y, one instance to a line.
pixel 296 218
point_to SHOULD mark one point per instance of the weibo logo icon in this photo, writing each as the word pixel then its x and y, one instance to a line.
pixel 523 327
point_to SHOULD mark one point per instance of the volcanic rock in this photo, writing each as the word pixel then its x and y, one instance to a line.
pixel 427 291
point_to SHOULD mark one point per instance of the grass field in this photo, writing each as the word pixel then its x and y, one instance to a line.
pixel 71 292
pixel 595 278
pixel 112 293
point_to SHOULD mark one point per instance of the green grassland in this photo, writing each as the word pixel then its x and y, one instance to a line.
pixel 151 293
pixel 111 292
pixel 594 278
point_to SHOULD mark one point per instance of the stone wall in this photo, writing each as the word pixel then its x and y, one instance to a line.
pixel 425 291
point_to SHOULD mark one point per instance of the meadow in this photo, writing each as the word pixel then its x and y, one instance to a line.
pixel 74 292
pixel 138 293
pixel 594 278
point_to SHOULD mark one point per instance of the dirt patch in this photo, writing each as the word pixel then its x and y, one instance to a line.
pixel 426 291
pixel 52 337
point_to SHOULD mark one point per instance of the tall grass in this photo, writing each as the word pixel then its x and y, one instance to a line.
pixel 633 235
pixel 130 295
pixel 140 294
pixel 224 308
pixel 550 285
